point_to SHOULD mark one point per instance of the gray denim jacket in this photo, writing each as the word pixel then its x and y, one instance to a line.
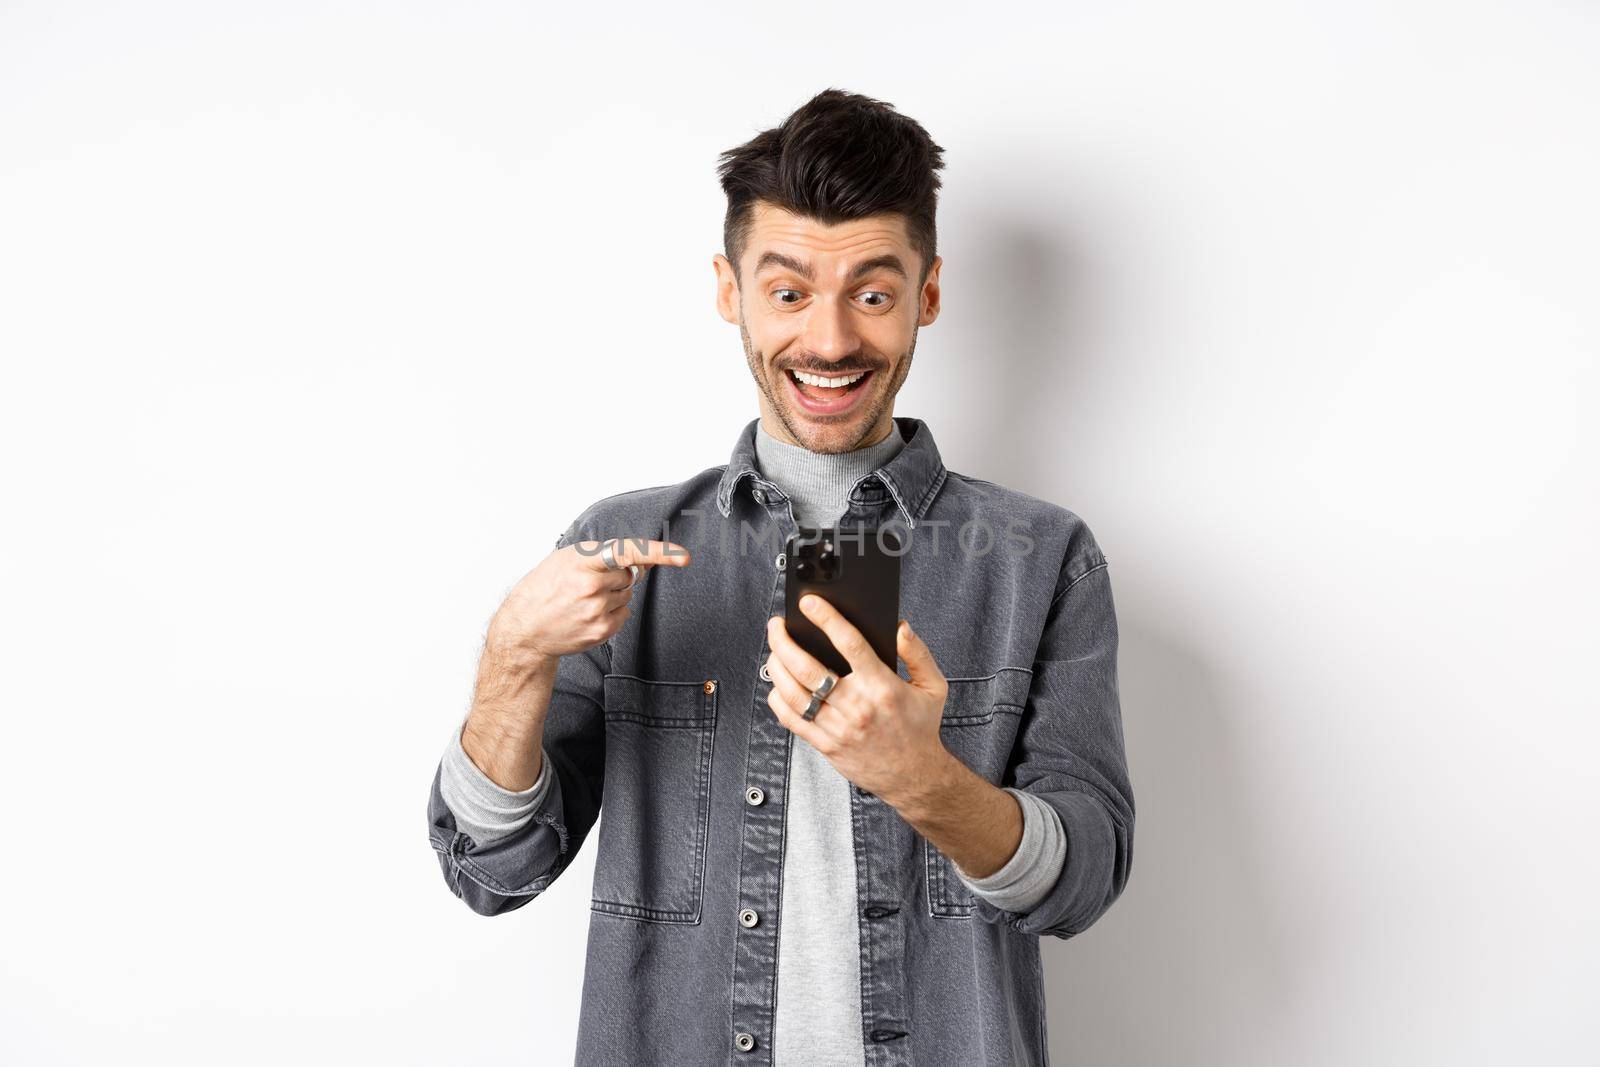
pixel 668 722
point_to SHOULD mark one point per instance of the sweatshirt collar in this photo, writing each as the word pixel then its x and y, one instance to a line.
pixel 912 476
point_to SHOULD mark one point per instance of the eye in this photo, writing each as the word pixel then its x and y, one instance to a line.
pixel 882 302
pixel 778 292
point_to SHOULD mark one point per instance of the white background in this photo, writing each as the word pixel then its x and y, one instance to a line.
pixel 321 321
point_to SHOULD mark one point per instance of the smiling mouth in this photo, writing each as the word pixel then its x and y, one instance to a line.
pixel 827 394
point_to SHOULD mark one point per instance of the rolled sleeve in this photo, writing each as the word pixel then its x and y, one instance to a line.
pixel 1030 872
pixel 485 810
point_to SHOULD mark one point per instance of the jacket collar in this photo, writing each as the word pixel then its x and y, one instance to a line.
pixel 912 476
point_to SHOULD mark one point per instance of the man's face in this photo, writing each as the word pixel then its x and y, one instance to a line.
pixel 835 302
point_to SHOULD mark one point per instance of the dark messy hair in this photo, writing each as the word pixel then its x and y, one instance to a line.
pixel 840 157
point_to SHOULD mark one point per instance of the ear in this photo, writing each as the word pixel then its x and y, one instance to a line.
pixel 727 289
pixel 930 294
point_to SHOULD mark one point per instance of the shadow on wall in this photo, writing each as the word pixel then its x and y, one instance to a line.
pixel 1189 966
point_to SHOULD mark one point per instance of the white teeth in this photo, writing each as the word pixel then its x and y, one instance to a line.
pixel 827 383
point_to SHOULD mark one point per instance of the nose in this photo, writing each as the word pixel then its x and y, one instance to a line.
pixel 829 332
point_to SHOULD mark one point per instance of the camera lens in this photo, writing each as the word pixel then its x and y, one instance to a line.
pixel 802 570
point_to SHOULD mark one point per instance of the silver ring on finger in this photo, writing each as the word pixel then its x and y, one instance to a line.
pixel 633 569
pixel 608 555
pixel 819 695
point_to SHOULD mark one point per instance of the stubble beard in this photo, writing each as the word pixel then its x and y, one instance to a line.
pixel 778 403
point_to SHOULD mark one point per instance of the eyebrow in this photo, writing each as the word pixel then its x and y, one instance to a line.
pixel 888 261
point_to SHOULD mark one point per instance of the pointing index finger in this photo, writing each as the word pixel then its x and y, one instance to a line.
pixel 638 550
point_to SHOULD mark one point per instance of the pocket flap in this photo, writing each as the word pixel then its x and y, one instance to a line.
pixel 973 701
pixel 659 703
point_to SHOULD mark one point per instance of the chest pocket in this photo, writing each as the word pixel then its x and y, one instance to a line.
pixel 980 724
pixel 651 858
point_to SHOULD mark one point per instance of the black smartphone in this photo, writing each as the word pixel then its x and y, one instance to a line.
pixel 857 570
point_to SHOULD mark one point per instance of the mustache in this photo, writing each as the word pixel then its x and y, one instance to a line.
pixel 829 370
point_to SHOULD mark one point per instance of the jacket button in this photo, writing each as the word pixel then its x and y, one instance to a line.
pixel 748 917
pixel 754 796
pixel 761 498
pixel 744 1042
pixel 779 561
pixel 709 686
pixel 766 673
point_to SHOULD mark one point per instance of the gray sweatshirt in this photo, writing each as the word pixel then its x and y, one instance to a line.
pixel 818 1011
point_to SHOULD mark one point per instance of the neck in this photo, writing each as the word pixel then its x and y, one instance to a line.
pixel 818 484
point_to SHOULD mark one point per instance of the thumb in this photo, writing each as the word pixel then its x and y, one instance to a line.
pixel 925 673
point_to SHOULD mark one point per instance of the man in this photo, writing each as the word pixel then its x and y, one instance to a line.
pixel 789 873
